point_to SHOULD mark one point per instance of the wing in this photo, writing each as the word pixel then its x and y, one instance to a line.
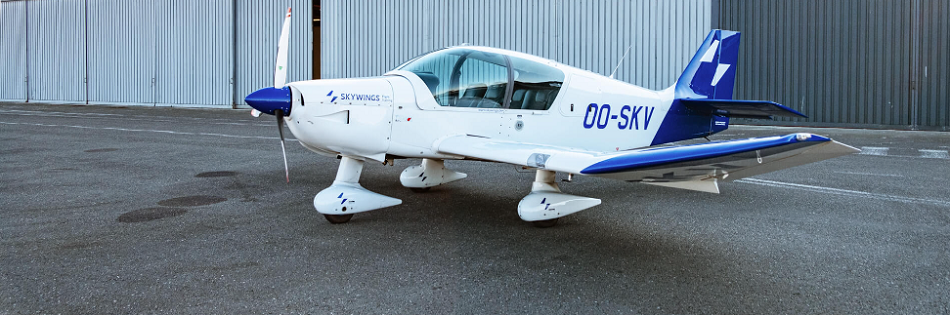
pixel 694 166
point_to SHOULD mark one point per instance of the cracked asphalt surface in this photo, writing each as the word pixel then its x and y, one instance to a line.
pixel 169 210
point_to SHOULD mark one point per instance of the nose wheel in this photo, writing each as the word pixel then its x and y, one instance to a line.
pixel 338 218
pixel 345 197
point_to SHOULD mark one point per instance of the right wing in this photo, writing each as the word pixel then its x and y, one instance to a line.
pixel 694 166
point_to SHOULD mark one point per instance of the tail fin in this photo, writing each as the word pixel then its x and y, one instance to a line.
pixel 712 71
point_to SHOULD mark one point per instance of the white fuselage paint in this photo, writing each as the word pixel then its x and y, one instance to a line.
pixel 397 115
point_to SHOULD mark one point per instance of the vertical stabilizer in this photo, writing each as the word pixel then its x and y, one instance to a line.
pixel 712 71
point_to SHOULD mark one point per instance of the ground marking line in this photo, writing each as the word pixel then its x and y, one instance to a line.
pixel 149 130
pixel 124 117
pixel 109 115
pixel 869 174
pixel 924 153
pixel 934 154
pixel 880 151
pixel 843 192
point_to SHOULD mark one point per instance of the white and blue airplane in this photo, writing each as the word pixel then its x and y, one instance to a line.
pixel 488 104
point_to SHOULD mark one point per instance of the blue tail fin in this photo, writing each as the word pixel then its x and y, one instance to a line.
pixel 712 71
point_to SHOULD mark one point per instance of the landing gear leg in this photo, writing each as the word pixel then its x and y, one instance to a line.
pixel 546 203
pixel 345 197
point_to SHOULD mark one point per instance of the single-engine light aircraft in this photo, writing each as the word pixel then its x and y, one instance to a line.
pixel 488 104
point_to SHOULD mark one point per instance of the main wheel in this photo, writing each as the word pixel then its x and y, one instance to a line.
pixel 420 190
pixel 337 219
pixel 545 223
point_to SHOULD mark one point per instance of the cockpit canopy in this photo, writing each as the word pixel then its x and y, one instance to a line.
pixel 465 77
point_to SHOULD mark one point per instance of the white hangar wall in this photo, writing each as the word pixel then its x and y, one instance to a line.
pixel 13 51
pixel 214 52
pixel 370 37
pixel 164 52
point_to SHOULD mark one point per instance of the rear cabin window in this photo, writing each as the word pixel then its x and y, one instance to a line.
pixel 536 85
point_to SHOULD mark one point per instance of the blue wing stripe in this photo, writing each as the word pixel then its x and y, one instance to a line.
pixel 675 154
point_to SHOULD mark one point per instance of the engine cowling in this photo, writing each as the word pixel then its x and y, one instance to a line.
pixel 352 117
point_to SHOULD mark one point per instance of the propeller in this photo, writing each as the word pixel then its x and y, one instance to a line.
pixel 276 100
pixel 280 130
pixel 280 70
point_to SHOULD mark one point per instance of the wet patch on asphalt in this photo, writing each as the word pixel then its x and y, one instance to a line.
pixel 101 150
pixel 192 201
pixel 216 174
pixel 149 214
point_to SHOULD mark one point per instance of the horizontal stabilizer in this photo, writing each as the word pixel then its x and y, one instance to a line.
pixel 740 108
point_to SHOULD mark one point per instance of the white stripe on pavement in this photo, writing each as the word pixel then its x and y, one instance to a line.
pixel 844 192
pixel 934 154
pixel 149 130
pixel 879 151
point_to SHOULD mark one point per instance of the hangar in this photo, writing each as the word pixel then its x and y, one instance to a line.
pixel 883 64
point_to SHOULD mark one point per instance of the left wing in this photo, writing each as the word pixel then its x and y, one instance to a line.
pixel 694 166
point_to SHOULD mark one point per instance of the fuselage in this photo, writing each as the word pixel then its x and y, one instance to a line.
pixel 399 115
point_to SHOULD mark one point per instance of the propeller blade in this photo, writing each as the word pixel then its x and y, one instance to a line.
pixel 280 70
pixel 280 129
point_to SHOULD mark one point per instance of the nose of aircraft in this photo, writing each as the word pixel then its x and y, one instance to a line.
pixel 269 99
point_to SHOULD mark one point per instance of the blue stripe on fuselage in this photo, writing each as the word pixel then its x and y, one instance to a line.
pixel 682 123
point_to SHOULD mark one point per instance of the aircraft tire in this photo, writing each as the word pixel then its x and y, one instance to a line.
pixel 338 219
pixel 420 190
pixel 545 223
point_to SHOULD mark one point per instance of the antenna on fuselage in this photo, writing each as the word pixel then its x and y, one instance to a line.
pixel 621 61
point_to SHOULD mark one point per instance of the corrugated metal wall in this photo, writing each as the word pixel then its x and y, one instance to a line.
pixel 662 36
pixel 194 59
pixel 258 29
pixel 592 35
pixel 167 52
pixel 934 98
pixel 121 52
pixel 170 52
pixel 57 67
pixel 13 51
pixel 844 62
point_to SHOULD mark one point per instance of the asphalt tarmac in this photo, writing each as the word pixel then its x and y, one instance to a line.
pixel 169 210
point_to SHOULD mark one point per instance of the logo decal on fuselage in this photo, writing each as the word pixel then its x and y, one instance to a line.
pixel 630 117
pixel 359 97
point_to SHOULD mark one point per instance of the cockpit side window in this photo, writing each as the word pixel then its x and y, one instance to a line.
pixel 482 81
pixel 536 85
